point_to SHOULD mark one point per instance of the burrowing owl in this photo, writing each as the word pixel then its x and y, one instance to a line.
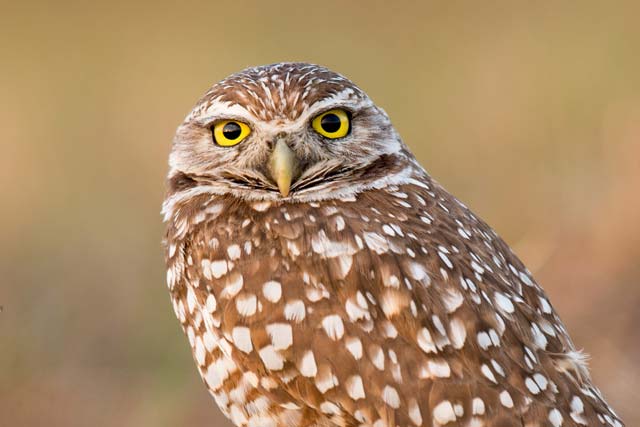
pixel 323 278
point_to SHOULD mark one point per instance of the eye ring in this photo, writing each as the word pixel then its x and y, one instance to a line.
pixel 332 124
pixel 227 133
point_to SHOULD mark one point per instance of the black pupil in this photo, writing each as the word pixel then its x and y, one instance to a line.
pixel 231 130
pixel 330 123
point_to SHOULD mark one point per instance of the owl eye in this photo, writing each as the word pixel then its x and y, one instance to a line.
pixel 332 124
pixel 228 133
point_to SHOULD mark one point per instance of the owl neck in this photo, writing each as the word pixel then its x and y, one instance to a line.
pixel 185 191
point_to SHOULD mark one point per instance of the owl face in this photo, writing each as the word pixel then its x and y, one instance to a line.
pixel 293 131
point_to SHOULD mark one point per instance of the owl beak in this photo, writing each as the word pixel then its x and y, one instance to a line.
pixel 283 165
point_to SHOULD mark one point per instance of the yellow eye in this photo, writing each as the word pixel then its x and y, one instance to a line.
pixel 228 133
pixel 332 124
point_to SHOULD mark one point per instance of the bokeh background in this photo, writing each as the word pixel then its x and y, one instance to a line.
pixel 530 113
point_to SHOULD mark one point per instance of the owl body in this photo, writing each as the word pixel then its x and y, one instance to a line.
pixel 355 291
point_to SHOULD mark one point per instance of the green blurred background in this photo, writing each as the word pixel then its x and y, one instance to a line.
pixel 529 113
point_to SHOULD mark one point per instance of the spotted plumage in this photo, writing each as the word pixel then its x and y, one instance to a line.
pixel 355 291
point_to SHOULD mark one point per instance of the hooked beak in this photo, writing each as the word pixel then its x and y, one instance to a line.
pixel 283 166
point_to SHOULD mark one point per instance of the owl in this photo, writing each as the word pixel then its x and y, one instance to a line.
pixel 324 279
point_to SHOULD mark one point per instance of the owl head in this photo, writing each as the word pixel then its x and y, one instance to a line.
pixel 286 131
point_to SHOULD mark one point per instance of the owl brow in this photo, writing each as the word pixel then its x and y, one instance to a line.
pixel 209 120
pixel 219 110
pixel 348 107
pixel 332 103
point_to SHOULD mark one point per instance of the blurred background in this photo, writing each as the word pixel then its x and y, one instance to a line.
pixel 530 113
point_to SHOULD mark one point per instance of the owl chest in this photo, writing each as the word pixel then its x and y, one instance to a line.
pixel 250 270
pixel 288 262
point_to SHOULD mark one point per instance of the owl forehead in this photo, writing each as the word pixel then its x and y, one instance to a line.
pixel 279 92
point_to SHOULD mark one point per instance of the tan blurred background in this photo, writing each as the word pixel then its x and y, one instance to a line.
pixel 529 113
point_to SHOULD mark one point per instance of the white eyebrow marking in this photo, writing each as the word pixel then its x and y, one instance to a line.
pixel 223 109
pixel 220 108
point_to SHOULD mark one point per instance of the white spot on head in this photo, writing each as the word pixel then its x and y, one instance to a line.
pixel 388 230
pixel 504 302
pixel 438 324
pixel 531 385
pixel 425 219
pixel 486 371
pixel 541 381
pixel 546 327
pixel 525 279
pixel 477 268
pixel 495 339
pixel 538 337
pixel 376 242
pixel 452 299
pixel 497 367
pixel 418 272
pixel 464 233
pixel 576 405
pixel 483 340
pixel 505 399
pixel 544 304
pixel 445 259
pixel 555 418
